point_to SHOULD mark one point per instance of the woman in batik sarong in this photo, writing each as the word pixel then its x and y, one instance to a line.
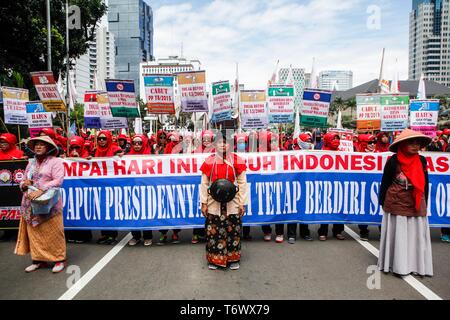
pixel 223 219
pixel 42 235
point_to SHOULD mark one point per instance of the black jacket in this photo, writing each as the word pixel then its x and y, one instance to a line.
pixel 390 170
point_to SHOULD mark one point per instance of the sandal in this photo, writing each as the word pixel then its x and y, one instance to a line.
pixel 339 236
pixel 35 266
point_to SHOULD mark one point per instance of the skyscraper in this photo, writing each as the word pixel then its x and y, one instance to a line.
pixel 98 62
pixel 299 83
pixel 131 22
pixel 336 80
pixel 429 50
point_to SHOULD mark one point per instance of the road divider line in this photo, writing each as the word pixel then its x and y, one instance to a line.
pixel 413 282
pixel 80 284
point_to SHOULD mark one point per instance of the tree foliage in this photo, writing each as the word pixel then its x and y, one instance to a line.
pixel 23 35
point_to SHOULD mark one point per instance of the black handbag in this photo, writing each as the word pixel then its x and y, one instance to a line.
pixel 223 190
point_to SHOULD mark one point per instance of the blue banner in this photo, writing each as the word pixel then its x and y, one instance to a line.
pixel 122 98
pixel 158 81
pixel 162 192
pixel 119 85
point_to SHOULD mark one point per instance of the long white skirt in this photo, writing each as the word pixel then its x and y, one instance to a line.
pixel 405 245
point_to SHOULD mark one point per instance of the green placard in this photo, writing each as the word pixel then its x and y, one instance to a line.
pixel 281 91
pixel 311 121
pixel 220 87
pixel 125 112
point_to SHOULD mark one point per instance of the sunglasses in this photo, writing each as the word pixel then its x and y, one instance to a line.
pixel 102 139
pixel 162 137
pixel 416 142
pixel 75 147
pixel 137 143
pixel 372 142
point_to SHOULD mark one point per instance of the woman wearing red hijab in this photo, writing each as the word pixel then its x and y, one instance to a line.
pixel 77 150
pixel 206 145
pixel 140 146
pixel 303 142
pixel 161 142
pixel 382 142
pixel 405 245
pixel 8 149
pixel 367 143
pixel 106 148
pixel 331 142
pixel 174 146
pixel 122 141
pixel 268 142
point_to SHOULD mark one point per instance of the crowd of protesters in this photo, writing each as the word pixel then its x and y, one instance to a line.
pixel 105 144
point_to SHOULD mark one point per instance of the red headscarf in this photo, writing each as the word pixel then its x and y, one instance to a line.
pixel 216 168
pixel 363 141
pixel 78 142
pixel 201 148
pixel 159 134
pixel 12 152
pixel 48 132
pixel 51 133
pixel 88 145
pixel 145 146
pixel 281 143
pixel 263 141
pixel 382 147
pixel 329 143
pixel 110 149
pixel 412 167
pixel 273 147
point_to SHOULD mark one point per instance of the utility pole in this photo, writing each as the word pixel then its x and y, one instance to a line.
pixel 49 38
pixel 68 93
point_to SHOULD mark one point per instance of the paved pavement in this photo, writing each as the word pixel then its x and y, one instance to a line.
pixel 305 270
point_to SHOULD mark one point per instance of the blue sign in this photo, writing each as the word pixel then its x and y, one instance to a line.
pixel 110 194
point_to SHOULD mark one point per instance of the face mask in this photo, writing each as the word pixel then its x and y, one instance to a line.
pixel 305 145
pixel 241 147
pixel 335 144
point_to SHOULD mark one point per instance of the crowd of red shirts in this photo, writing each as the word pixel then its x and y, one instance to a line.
pixel 104 144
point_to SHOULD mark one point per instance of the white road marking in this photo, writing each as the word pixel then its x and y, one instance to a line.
pixel 80 284
pixel 413 282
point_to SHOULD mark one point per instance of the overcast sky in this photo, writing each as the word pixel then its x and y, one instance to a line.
pixel 257 33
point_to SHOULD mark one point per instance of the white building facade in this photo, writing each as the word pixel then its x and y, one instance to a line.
pixel 98 64
pixel 299 83
pixel 336 80
pixel 429 41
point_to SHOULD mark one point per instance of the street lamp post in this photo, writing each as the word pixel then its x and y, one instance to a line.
pixel 49 38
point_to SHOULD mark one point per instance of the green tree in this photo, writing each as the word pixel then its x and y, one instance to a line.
pixel 23 36
pixel 336 105
pixel 77 115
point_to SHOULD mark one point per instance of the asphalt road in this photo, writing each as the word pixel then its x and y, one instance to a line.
pixel 269 271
